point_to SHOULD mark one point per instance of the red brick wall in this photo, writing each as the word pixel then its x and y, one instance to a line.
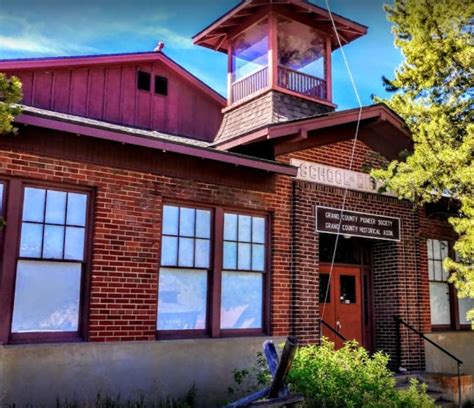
pixel 126 243
pixel 396 285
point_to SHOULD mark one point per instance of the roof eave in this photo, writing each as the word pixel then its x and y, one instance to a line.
pixel 278 130
pixel 154 143
pixel 200 38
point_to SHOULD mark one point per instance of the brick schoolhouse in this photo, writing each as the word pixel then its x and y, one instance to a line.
pixel 156 234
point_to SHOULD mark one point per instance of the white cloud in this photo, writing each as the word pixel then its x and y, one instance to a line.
pixel 28 35
pixel 38 45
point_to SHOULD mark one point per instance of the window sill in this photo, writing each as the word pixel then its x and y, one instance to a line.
pixel 196 335
pixel 39 338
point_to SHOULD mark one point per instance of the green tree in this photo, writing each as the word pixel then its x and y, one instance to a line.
pixel 433 93
pixel 10 96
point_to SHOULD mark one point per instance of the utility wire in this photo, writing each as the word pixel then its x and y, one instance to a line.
pixel 351 162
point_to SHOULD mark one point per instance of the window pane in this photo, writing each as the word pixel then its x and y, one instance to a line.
pixel 202 253
pixel 436 249
pixel 429 244
pixel 444 249
pixel 203 224
pixel 169 251
pixel 431 275
pixel 244 257
pixel 186 252
pixel 324 292
pixel 74 246
pixel 241 301
pixel 258 257
pixel 182 299
pixel 438 270
pixel 230 255
pixel 244 228
pixel 31 239
pixel 439 302
pixel 46 297
pixel 348 289
pixel 258 230
pixel 55 207
pixel 53 242
pixel 230 227
pixel 186 222
pixel 33 204
pixel 465 305
pixel 76 209
pixel 170 220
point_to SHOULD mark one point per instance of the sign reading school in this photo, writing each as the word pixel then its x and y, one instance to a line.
pixel 356 224
pixel 334 176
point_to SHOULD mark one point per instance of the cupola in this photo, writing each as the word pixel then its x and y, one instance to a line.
pixel 279 61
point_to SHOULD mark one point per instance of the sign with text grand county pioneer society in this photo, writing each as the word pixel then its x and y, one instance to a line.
pixel 357 224
pixel 334 176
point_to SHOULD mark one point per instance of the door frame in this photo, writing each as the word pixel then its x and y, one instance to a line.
pixel 367 315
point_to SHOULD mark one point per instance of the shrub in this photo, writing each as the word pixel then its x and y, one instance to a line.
pixel 344 378
pixel 350 378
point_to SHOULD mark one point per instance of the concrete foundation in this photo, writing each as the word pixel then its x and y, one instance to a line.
pixel 39 374
pixel 461 344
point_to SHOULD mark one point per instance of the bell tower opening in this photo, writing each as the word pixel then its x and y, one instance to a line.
pixel 279 62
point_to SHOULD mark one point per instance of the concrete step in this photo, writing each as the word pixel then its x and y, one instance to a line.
pixel 434 390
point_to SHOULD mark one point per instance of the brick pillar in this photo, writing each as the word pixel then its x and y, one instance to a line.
pixel 305 274
pixel 398 292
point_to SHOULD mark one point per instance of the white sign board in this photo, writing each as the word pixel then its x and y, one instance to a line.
pixel 334 176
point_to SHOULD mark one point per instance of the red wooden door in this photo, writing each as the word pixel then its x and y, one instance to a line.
pixel 343 307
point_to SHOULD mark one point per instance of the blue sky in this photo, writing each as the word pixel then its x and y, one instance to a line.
pixel 32 28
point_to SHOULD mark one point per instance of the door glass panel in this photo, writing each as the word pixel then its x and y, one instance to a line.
pixel 324 291
pixel 347 289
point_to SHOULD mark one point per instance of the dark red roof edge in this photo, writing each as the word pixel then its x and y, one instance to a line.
pixel 154 143
pixel 363 28
pixel 263 131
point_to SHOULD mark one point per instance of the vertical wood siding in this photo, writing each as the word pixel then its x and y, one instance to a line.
pixel 109 93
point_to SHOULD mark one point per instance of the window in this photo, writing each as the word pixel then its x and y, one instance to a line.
pixel 439 287
pixel 161 85
pixel 447 311
pixel 51 261
pixel 185 262
pixel 143 81
pixel 465 304
pixel 2 219
pixel 243 274
pixel 198 294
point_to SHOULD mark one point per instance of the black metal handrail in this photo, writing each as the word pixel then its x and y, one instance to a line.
pixel 321 321
pixel 459 362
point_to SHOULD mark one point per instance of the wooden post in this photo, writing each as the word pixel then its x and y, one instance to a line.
pixel 283 369
pixel 328 68
pixel 272 50
pixel 230 73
